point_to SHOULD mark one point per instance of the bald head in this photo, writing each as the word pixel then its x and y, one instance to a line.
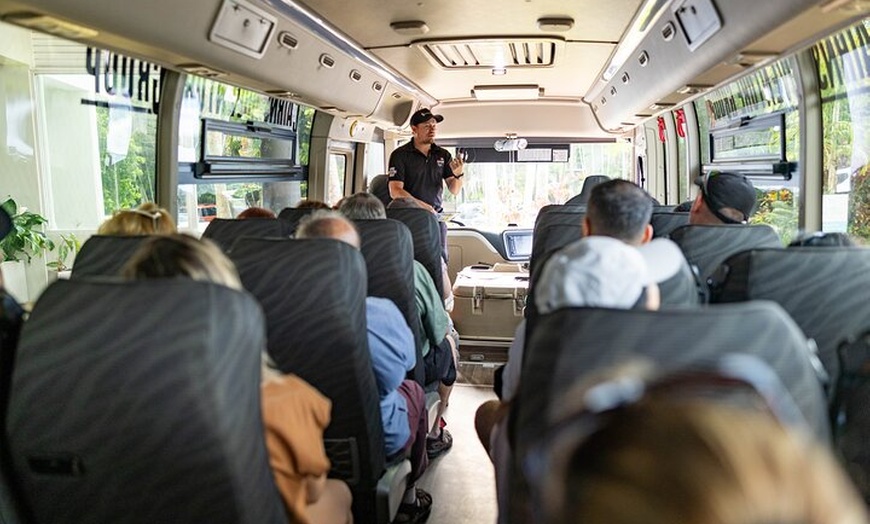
pixel 328 224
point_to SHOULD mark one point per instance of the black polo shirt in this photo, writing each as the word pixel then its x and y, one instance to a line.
pixel 422 175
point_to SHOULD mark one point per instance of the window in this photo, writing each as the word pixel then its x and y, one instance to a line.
pixel 238 149
pixel 96 115
pixel 843 64
pixel 496 194
pixel 336 178
pixel 735 122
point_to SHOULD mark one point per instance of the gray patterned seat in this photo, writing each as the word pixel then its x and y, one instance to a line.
pixel 426 233
pixel 105 255
pixel 291 217
pixel 313 293
pixel 389 254
pixel 225 231
pixel 824 289
pixel 142 407
pixel 663 222
pixel 706 247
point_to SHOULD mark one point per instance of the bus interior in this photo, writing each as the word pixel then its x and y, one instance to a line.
pixel 210 107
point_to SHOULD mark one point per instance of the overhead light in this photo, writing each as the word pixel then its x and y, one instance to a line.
pixel 499 71
pixel 645 18
pixel 410 27
pixel 49 24
pixel 660 105
pixel 751 58
pixel 692 89
pixel 556 23
pixel 507 92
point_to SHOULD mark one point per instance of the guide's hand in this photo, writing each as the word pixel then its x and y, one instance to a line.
pixel 457 165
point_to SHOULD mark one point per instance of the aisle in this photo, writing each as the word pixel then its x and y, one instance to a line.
pixel 461 481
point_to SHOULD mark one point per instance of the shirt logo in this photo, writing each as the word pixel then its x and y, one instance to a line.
pixel 392 172
pixel 440 162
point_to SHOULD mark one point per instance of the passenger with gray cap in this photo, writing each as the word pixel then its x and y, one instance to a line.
pixel 724 198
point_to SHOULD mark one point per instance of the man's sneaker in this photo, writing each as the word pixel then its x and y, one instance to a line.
pixel 437 446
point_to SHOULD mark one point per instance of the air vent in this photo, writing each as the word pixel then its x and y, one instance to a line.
pixel 489 54
pixel 327 61
pixel 355 75
pixel 669 31
pixel 603 102
pixel 397 96
pixel 625 78
pixel 287 40
pixel 612 91
pixel 643 59
pixel 377 86
pixel 201 70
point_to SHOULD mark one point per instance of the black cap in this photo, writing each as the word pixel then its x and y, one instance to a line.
pixel 424 115
pixel 721 190
pixel 5 223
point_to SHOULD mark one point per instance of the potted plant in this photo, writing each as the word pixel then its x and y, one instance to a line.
pixel 69 244
pixel 25 240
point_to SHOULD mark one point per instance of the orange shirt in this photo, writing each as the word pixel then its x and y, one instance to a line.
pixel 295 415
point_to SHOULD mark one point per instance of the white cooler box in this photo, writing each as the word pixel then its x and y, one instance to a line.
pixel 489 302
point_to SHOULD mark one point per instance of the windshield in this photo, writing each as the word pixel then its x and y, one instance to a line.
pixel 498 194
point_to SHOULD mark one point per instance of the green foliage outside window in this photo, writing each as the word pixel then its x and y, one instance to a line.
pixel 130 181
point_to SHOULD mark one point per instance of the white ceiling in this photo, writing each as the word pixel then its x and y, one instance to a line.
pixel 598 25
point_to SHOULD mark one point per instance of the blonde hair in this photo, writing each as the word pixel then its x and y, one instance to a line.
pixel 178 255
pixel 697 462
pixel 147 219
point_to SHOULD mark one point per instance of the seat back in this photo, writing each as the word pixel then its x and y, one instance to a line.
pixel 105 255
pixel 570 344
pixel 380 187
pixel 389 254
pixel 225 231
pixel 663 222
pixel 313 293
pixel 682 289
pixel 849 413
pixel 555 227
pixel 143 406
pixel 291 217
pixel 706 247
pixel 824 289
pixel 588 185
pixel 426 233
pixel 11 321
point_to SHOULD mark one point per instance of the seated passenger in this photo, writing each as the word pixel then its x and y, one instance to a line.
pixel 391 344
pixel 311 204
pixel 723 198
pixel 257 212
pixel 615 265
pixel 294 413
pixel 147 219
pixel 441 340
pixel 446 286
pixel 672 456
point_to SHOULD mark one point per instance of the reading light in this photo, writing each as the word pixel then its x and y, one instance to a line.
pixel 507 92
pixel 499 71
pixel 410 27
pixel 555 23
pixel 49 24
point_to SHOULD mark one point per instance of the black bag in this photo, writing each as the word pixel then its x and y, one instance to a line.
pixel 850 415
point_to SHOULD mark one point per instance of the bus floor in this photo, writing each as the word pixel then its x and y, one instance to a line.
pixel 462 481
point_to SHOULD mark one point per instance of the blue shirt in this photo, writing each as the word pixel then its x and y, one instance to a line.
pixel 391 345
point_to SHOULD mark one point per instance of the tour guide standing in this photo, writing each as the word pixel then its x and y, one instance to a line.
pixel 419 168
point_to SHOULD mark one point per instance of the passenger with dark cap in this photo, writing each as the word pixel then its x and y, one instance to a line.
pixel 724 198
pixel 421 168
